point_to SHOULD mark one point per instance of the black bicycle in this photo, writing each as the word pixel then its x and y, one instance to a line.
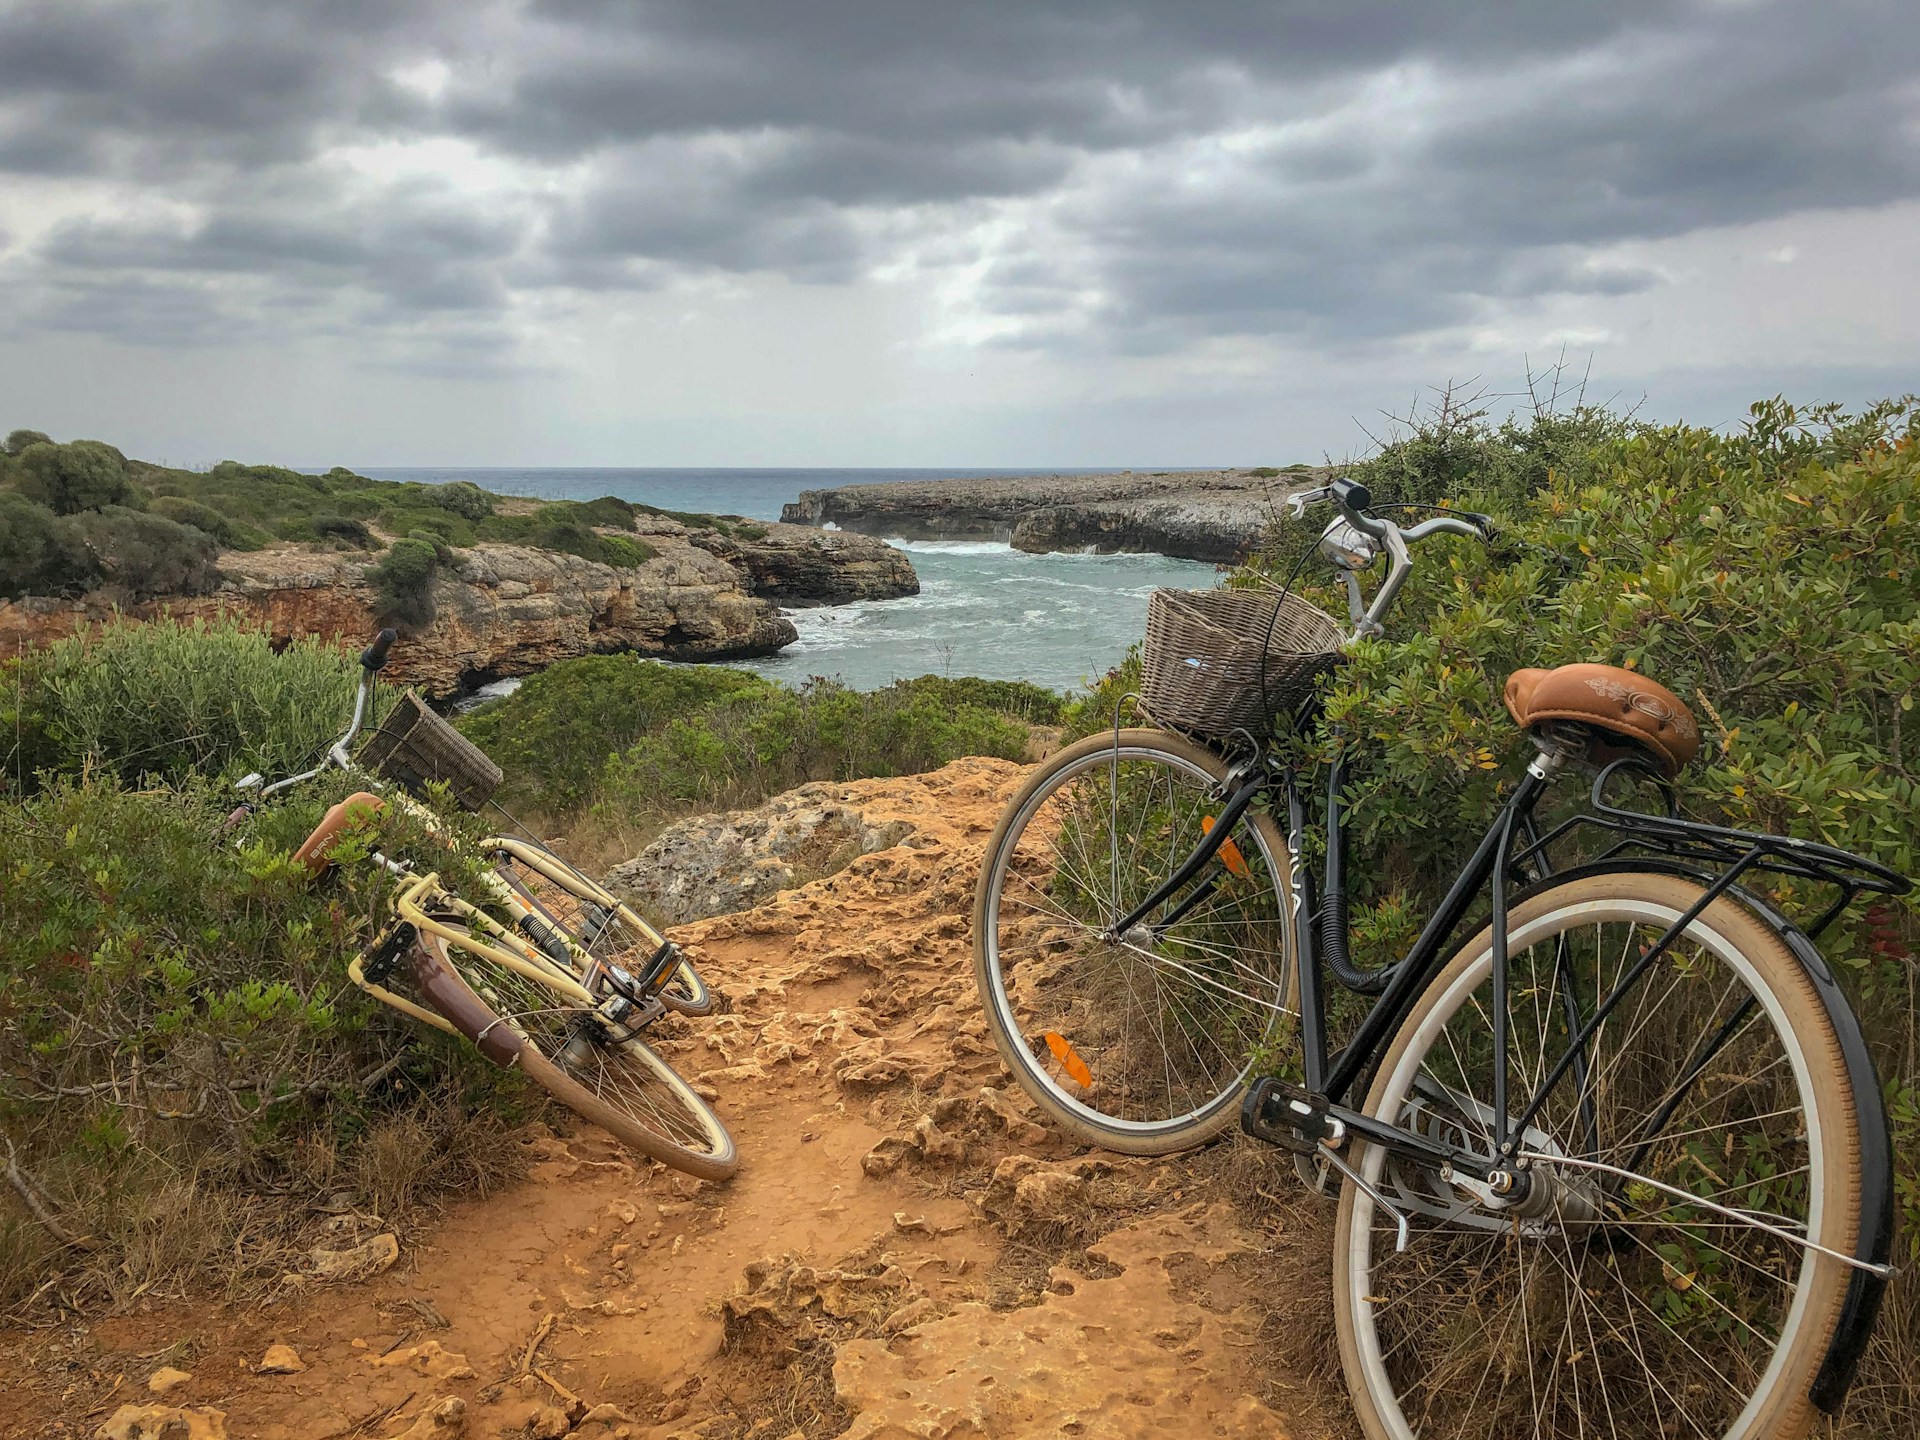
pixel 1615 1165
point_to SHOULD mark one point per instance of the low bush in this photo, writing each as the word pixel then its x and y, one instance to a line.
pixel 340 531
pixel 755 745
pixel 403 584
pixel 555 734
pixel 170 699
pixel 141 555
pixel 638 740
pixel 41 553
pixel 184 1061
pixel 19 440
pixel 201 517
pixel 82 475
pixel 462 498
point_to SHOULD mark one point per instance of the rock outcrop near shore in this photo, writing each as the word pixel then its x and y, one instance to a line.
pixel 1211 515
pixel 503 610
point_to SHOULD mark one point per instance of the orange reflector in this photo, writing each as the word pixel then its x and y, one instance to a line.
pixel 1229 852
pixel 1069 1059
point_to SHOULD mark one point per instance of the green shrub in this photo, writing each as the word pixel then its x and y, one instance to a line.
pixel 608 510
pixel 555 734
pixel 191 512
pixel 624 554
pixel 20 440
pixel 169 698
pixel 341 531
pixel 403 584
pixel 463 498
pixel 141 555
pixel 745 749
pixel 81 475
pixel 1020 698
pixel 41 553
pixel 184 1068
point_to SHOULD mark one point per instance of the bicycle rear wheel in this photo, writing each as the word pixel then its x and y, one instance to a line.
pixel 1608 1304
pixel 598 1070
pixel 566 908
pixel 1141 1042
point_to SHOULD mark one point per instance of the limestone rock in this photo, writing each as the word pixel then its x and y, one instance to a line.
pixel 167 1378
pixel 1196 515
pixel 281 1360
pixel 799 565
pixel 356 1262
pixel 441 1420
pixel 429 1360
pixel 718 864
pixel 164 1422
pixel 502 610
pixel 1026 1194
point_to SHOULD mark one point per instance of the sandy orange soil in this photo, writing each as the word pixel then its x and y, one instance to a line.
pixel 905 1252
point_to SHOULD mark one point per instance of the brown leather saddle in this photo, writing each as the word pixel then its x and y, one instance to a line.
pixel 1623 712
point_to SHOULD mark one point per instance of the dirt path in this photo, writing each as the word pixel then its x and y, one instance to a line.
pixel 904 1252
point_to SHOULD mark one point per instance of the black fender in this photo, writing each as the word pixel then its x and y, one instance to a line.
pixel 1874 1244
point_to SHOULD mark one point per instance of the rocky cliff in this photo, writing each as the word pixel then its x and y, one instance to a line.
pixel 1212 515
pixel 509 610
pixel 799 565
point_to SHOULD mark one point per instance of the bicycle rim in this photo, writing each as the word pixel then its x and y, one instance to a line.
pixel 1608 1306
pixel 614 1080
pixel 1145 1043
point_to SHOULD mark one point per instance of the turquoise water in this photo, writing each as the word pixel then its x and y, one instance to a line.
pixel 983 609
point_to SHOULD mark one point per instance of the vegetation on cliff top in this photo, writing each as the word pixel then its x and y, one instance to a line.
pixel 81 516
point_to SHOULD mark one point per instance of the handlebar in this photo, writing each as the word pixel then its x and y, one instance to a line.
pixel 374 657
pixel 1346 541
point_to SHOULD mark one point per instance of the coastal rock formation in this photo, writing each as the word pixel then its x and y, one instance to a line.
pixel 510 610
pixel 799 565
pixel 1211 515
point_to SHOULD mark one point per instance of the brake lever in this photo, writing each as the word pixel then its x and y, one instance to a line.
pixel 1298 501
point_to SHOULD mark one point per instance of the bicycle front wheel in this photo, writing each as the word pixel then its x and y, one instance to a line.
pixel 596 1069
pixel 1609 1300
pixel 1141 1042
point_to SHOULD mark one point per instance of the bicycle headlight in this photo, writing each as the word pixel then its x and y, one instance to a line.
pixel 1347 547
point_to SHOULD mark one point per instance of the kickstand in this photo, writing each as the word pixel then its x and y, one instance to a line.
pixel 1399 1219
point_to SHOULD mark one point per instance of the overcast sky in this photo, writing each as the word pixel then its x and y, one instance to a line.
pixel 993 232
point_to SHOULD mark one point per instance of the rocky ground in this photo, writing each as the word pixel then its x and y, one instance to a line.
pixel 1211 515
pixel 904 1253
pixel 510 610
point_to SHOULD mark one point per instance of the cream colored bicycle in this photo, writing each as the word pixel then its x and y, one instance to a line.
pixel 549 972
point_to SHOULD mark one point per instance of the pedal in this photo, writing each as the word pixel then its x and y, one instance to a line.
pixel 385 956
pixel 1286 1115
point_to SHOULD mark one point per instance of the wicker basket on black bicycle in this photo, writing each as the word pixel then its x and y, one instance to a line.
pixel 415 747
pixel 1218 661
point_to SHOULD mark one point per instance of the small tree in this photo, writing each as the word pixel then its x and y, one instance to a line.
pixel 403 584
pixel 20 439
pixel 82 475
pixel 40 552
pixel 145 556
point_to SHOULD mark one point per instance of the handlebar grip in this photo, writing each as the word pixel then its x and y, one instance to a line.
pixel 1352 494
pixel 374 657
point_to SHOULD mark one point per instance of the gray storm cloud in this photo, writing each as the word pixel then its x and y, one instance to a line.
pixel 1096 177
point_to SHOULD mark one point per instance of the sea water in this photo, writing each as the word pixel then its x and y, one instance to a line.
pixel 983 609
